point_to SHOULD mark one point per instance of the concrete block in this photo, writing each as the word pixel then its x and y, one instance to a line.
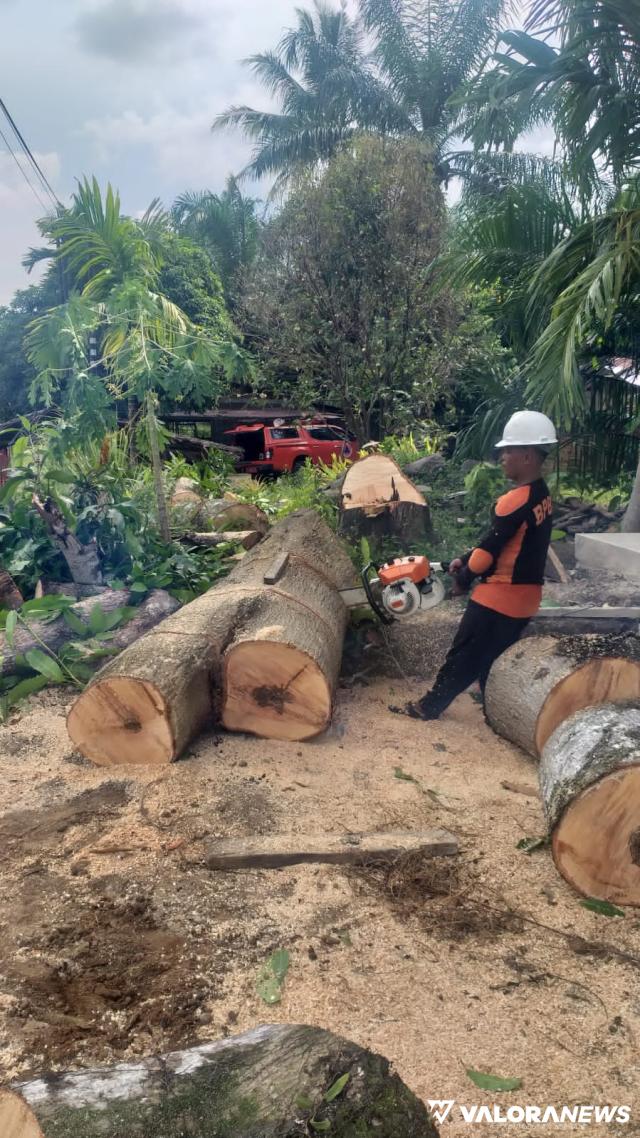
pixel 611 552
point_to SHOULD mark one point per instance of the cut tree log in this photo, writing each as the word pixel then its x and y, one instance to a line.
pixel 590 787
pixel 54 634
pixel 258 658
pixel 83 560
pixel 17 1120
pixel 196 512
pixel 268 1083
pixel 278 850
pixel 540 682
pixel 378 501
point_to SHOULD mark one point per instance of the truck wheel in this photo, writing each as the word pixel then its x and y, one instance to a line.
pixel 298 464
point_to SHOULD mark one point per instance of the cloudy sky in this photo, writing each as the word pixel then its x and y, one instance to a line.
pixel 126 90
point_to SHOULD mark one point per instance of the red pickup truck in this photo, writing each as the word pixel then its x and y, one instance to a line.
pixel 271 450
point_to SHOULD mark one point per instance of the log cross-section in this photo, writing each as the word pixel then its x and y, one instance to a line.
pixel 538 683
pixel 590 787
pixel 258 658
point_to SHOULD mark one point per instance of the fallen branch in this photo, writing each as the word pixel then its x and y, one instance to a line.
pixel 83 560
pixel 55 633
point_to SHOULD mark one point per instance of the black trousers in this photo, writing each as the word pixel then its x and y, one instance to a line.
pixel 483 635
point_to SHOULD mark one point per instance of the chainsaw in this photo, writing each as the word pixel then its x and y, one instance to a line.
pixel 403 587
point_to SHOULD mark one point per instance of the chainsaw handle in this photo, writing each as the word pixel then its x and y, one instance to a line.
pixel 380 613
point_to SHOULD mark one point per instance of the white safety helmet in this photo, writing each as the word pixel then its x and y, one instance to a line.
pixel 528 429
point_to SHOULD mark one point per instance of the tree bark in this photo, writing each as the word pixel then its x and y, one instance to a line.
pixel 268 1083
pixel 197 512
pixel 590 787
pixel 156 466
pixel 631 520
pixel 257 657
pixel 10 595
pixel 56 633
pixel 379 502
pixel 539 682
pixel 83 560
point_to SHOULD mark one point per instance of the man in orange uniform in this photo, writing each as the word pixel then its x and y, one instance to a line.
pixel 509 560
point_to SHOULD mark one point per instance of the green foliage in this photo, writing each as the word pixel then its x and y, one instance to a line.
pixel 224 225
pixel 103 498
pixel 272 977
pixel 339 303
pixel 484 484
pixel 407 448
pixel 602 908
pixel 493 1082
pixel 302 490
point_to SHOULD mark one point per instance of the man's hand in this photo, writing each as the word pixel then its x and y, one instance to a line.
pixel 454 568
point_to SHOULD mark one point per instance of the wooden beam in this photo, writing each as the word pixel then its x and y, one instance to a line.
pixel 279 850
pixel 276 569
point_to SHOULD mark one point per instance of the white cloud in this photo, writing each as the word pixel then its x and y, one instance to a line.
pixel 20 209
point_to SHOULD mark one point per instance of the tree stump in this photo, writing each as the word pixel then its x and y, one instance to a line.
pixel 590 786
pixel 539 682
pixel 379 502
pixel 272 1082
pixel 257 657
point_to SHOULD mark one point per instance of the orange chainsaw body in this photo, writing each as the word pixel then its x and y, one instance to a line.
pixel 416 569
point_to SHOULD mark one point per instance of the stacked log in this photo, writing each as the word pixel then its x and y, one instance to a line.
pixel 540 682
pixel 590 787
pixel 256 656
pixel 378 501
pixel 267 1083
pixel 575 516
pixel 193 511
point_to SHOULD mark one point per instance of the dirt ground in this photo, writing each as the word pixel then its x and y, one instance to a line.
pixel 116 941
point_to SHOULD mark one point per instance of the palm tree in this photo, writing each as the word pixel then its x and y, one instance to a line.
pixel 225 225
pixel 116 335
pixel 422 54
pixel 586 81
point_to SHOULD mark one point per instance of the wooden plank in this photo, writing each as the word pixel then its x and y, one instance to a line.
pixel 279 850
pixel 557 566
pixel 274 573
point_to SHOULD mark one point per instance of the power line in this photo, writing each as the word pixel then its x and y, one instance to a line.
pixel 15 158
pixel 25 147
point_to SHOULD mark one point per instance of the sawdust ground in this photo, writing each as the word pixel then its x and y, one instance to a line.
pixel 115 941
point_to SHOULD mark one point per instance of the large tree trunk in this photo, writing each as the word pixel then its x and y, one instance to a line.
pixel 56 633
pixel 270 1083
pixel 631 519
pixel 539 682
pixel 379 502
pixel 259 652
pixel 590 786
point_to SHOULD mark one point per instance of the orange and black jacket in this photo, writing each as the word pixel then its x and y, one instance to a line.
pixel 511 558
